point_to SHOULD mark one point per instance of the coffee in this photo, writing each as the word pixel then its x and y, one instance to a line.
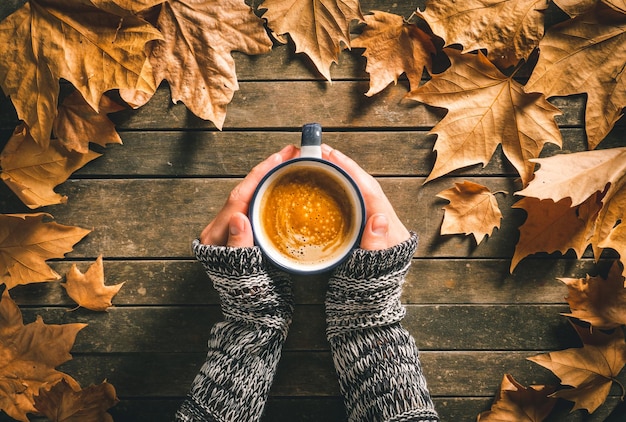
pixel 307 215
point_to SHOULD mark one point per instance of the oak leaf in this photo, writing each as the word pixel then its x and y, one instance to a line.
pixel 77 124
pixel 33 171
pixel 393 47
pixel 586 54
pixel 590 370
pixel 485 109
pixel 515 402
pixel 473 209
pixel 88 289
pixel 509 30
pixel 30 353
pixel 63 403
pixel 94 49
pixel 598 301
pixel 26 242
pixel 318 28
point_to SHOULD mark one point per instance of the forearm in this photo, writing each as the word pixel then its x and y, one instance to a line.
pixel 376 359
pixel 244 349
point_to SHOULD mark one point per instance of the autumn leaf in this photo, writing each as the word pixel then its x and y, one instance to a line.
pixel 133 6
pixel 26 242
pixel 32 171
pixel 515 402
pixel 318 28
pixel 393 47
pixel 598 301
pixel 485 109
pixel 586 54
pixel 509 30
pixel 88 289
pixel 77 124
pixel 63 403
pixel 590 370
pixel 473 209
pixel 49 40
pixel 30 353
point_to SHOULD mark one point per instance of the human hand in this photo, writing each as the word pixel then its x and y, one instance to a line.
pixel 231 226
pixel 383 228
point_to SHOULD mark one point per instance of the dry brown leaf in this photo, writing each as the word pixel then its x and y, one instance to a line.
pixel 88 289
pixel 473 209
pixel 586 54
pixel 63 403
pixel 26 242
pixel 600 302
pixel 30 353
pixel 32 171
pixel 509 30
pixel 485 109
pixel 77 124
pixel 393 47
pixel 47 40
pixel 516 403
pixel 590 370
pixel 318 28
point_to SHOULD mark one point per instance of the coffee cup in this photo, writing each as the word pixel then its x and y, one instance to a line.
pixel 307 214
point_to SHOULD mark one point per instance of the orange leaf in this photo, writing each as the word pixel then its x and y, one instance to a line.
pixel 485 109
pixel 590 370
pixel 317 27
pixel 32 171
pixel 30 353
pixel 63 403
pixel 393 47
pixel 473 209
pixel 515 402
pixel 88 289
pixel 26 242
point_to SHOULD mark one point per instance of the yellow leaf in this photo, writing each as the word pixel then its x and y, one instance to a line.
pixel 318 28
pixel 33 171
pixel 88 289
pixel 473 209
pixel 26 242
pixel 485 109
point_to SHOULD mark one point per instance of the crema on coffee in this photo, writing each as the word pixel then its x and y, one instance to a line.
pixel 307 215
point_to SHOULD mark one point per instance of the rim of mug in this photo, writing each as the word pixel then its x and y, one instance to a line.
pixel 321 268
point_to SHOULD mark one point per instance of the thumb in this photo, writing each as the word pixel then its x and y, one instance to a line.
pixel 239 231
pixel 375 233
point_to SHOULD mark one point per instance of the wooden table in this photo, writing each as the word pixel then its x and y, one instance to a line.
pixel 146 200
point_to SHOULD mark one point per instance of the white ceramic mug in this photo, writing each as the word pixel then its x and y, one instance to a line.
pixel 307 214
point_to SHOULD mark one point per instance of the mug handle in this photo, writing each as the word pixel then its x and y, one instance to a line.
pixel 311 142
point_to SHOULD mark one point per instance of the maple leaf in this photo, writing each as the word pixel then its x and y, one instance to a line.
pixel 508 29
pixel 92 48
pixel 77 124
pixel 600 302
pixel 590 370
pixel 485 109
pixel 26 242
pixel 318 28
pixel 515 402
pixel 586 54
pixel 195 54
pixel 63 403
pixel 473 209
pixel 393 47
pixel 88 289
pixel 33 171
pixel 30 353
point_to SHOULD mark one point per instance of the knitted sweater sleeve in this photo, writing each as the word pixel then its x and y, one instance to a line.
pixel 376 359
pixel 244 349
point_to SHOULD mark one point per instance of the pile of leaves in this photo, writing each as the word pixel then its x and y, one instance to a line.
pixel 129 47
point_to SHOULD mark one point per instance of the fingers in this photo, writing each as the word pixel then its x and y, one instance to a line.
pixel 239 232
pixel 376 233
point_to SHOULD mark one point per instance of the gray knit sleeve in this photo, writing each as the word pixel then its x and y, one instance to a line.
pixel 245 348
pixel 375 358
